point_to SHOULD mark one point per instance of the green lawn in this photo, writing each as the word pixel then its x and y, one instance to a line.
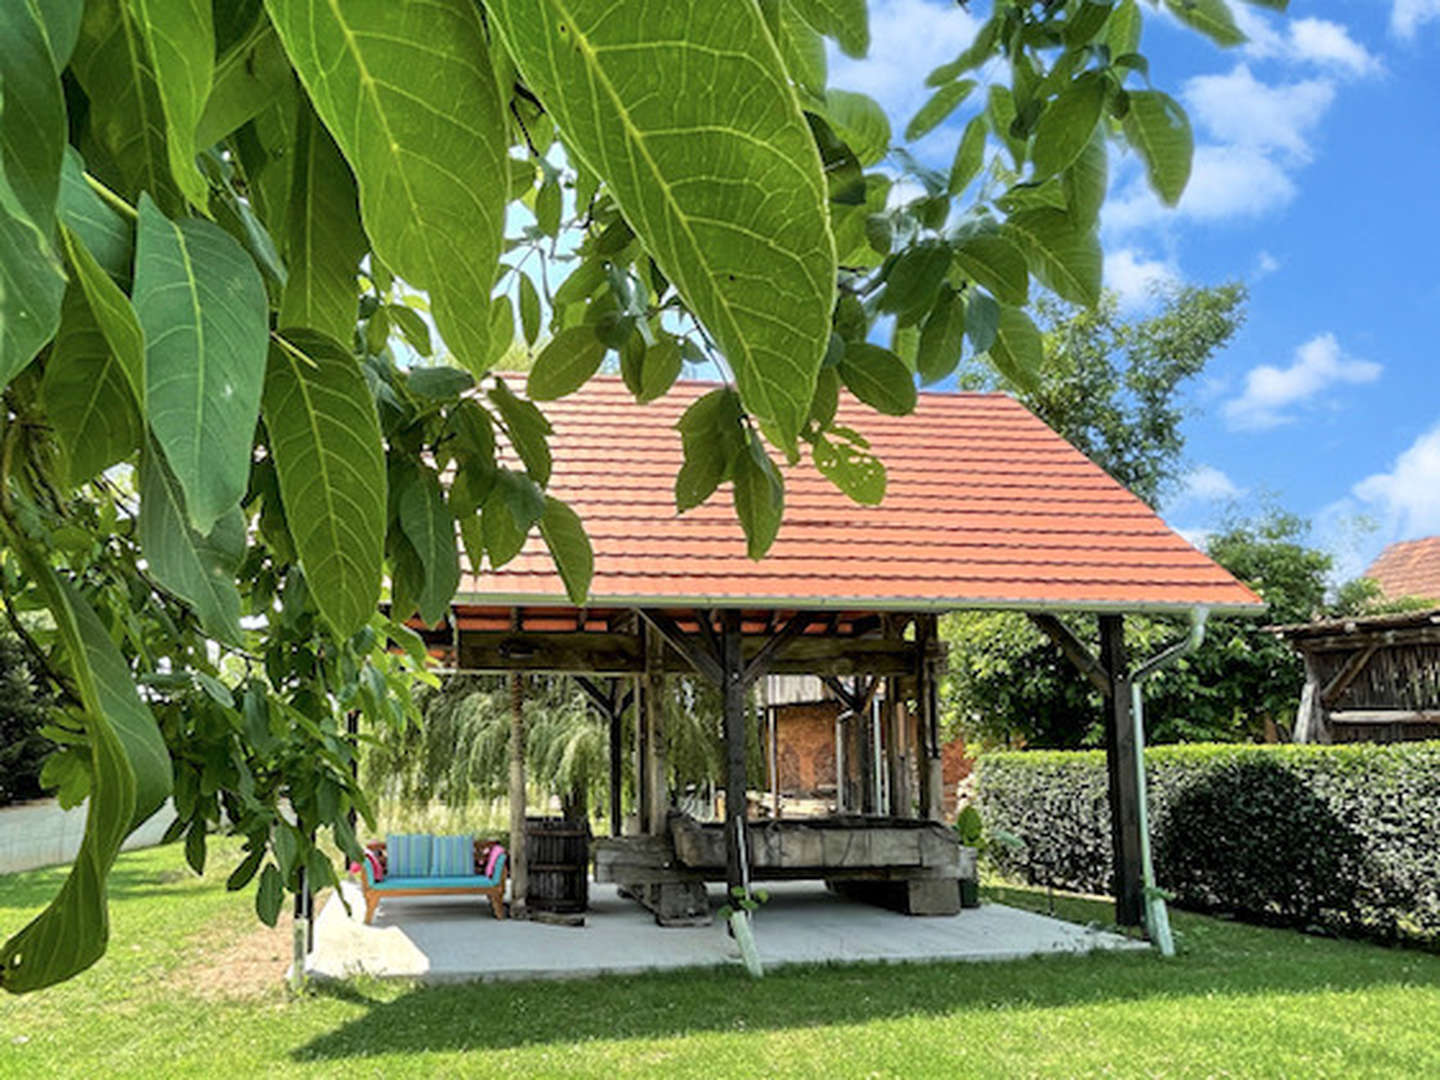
pixel 173 998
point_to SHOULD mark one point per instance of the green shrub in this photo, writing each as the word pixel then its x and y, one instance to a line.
pixel 1339 838
pixel 24 708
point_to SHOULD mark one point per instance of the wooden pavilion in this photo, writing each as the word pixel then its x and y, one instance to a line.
pixel 986 507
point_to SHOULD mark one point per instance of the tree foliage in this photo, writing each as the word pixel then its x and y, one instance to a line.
pixel 24 708
pixel 230 233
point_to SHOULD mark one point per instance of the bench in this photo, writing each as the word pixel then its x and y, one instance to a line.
pixel 491 886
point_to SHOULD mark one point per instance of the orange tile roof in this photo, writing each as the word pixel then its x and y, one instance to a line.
pixel 1409 568
pixel 985 507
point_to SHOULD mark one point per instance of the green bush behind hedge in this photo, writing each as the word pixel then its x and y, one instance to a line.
pixel 1341 838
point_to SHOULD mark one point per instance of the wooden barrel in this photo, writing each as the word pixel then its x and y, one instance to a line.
pixel 557 856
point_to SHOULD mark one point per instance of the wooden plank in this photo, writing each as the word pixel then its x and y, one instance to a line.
pixel 1120 763
pixel 1348 673
pixel 1414 635
pixel 1074 649
pixel 1385 716
pixel 778 643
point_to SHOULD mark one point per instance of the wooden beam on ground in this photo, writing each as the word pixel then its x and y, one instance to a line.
pixel 1074 649
pixel 1347 674
pixel 1120 763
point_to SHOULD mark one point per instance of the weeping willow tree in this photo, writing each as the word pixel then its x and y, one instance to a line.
pixel 458 753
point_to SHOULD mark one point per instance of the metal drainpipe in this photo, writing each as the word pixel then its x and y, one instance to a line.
pixel 1157 918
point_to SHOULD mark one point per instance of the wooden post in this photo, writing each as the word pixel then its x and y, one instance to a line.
pixel 861 723
pixel 657 787
pixel 733 694
pixel 642 753
pixel 519 878
pixel 1120 761
pixel 617 752
pixel 927 699
pixel 1310 720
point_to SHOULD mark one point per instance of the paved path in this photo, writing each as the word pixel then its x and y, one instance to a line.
pixel 440 939
pixel 41 834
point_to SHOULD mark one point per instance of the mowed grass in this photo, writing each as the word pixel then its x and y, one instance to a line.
pixel 174 997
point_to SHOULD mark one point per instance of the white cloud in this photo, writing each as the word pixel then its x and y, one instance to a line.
pixel 1317 42
pixel 908 39
pixel 1407 16
pixel 1239 110
pixel 1206 483
pixel 1407 497
pixel 1135 278
pixel 1272 393
pixel 1265 265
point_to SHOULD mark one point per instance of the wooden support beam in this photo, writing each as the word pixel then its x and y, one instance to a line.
pixel 732 684
pixel 693 648
pixel 927 700
pixel 519 876
pixel 1074 649
pixel 604 700
pixel 617 741
pixel 1120 762
pixel 656 784
pixel 1348 673
pixel 777 643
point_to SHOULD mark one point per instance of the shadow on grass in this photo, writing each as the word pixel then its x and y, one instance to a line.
pixel 1221 959
pixel 127 880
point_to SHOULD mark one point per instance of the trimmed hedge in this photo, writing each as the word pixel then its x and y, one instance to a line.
pixel 1340 838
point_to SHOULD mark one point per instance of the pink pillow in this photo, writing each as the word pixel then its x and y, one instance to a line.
pixel 495 852
pixel 377 869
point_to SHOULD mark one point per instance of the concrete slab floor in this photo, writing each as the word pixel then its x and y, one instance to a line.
pixel 449 939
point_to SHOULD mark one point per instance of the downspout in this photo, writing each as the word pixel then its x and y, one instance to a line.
pixel 1157 918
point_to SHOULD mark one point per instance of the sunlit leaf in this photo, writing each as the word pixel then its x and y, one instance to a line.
pixel 180 40
pixel 564 535
pixel 1160 131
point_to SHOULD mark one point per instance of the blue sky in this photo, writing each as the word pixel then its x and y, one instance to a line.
pixel 1317 181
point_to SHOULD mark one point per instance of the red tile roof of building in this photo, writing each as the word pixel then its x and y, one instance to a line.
pixel 986 507
pixel 1409 568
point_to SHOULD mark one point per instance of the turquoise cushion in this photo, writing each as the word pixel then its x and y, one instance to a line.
pixel 407 855
pixel 472 882
pixel 452 856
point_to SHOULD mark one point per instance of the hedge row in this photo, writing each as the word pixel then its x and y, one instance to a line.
pixel 1340 838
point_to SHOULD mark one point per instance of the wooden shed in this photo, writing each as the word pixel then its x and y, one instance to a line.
pixel 1370 679
pixel 986 507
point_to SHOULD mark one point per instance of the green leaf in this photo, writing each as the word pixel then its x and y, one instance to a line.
pixel 1066 258
pixel 529 309
pixel 759 497
pixel 858 474
pixel 269 895
pixel 803 49
pixel 441 383
pixel 982 317
pixel 248 79
pixel 1211 17
pixel 547 208
pixel 512 507
pixel 1001 112
pixel 416 331
pixel 242 874
pixel 180 39
pixel 126 114
pixel 32 115
pixel 1122 29
pixel 130 778
pixel 565 364
pixel 325 438
pixel 86 398
pixel 969 155
pixel 659 369
pixel 938 109
pixel 569 547
pixel 323 239
pixel 1018 352
pixel 1085 181
pixel 915 277
pixel 202 306
pixel 942 337
pixel 847 21
pixel 1159 130
pixel 686 113
pixel 113 313
pixel 102 231
pixel 195 845
pixel 975 54
pixel 200 569
pixel 994 261
pixel 861 122
pixel 712 436
pixel 408 93
pixel 879 378
pixel 429 526
pixel 527 427
pixel 1067 123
